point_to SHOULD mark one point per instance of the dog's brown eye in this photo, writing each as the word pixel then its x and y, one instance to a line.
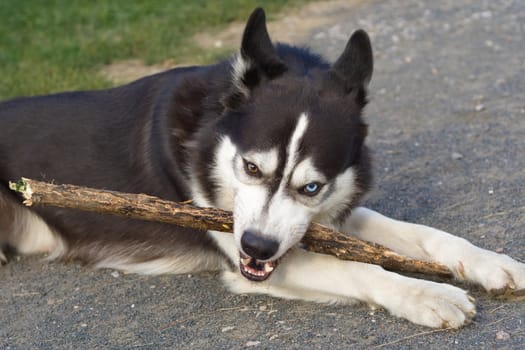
pixel 251 169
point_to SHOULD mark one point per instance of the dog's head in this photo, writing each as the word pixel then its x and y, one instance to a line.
pixel 291 146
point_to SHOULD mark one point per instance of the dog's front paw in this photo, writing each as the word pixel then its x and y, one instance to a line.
pixel 435 305
pixel 499 274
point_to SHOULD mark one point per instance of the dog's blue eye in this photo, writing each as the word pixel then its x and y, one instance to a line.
pixel 311 189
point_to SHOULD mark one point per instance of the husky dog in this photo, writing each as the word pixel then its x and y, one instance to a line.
pixel 276 135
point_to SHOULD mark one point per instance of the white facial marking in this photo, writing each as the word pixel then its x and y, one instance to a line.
pixel 286 219
pixel 289 216
pixel 286 215
pixel 293 147
pixel 305 172
pixel 249 206
pixel 343 189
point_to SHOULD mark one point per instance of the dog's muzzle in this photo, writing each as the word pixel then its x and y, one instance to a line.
pixel 256 250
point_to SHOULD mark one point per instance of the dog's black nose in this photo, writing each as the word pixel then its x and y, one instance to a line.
pixel 257 246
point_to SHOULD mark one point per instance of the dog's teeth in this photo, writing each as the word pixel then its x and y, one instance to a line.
pixel 268 268
pixel 245 261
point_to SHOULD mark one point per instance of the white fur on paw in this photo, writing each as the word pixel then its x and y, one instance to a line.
pixel 435 305
pixel 497 273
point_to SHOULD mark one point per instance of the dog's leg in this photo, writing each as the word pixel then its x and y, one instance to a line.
pixel 23 232
pixel 497 273
pixel 323 278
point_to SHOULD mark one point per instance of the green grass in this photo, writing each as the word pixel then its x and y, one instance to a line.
pixel 55 45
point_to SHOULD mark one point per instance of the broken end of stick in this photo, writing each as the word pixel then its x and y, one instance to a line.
pixel 22 186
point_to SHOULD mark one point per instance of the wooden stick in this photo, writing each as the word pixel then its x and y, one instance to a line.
pixel 318 238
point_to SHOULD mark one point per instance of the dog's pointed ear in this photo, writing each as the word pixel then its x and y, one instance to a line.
pixel 257 59
pixel 355 65
pixel 257 47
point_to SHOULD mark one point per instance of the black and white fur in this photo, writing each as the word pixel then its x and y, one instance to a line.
pixel 274 134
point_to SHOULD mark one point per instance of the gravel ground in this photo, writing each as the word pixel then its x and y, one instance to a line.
pixel 447 121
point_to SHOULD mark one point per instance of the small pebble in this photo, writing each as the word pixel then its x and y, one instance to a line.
pixel 479 107
pixel 253 343
pixel 115 274
pixel 457 156
pixel 486 14
pixel 502 335
pixel 227 329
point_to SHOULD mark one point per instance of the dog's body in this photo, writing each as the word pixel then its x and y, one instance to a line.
pixel 276 135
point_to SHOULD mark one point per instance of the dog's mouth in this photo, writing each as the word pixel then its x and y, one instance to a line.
pixel 256 270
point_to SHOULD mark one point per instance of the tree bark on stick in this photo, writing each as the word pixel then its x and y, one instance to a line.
pixel 318 238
